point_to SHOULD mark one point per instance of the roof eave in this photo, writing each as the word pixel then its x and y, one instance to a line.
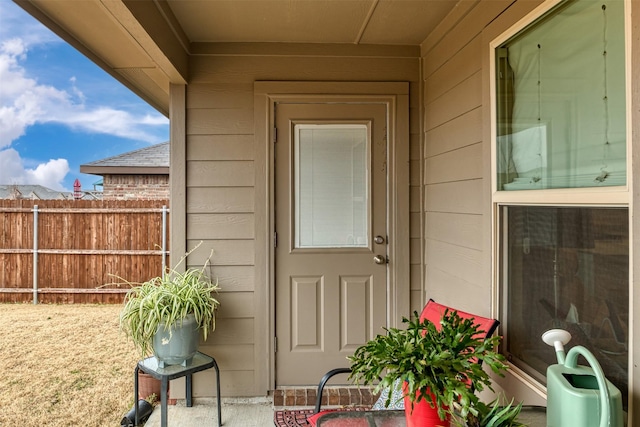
pixel 124 170
pixel 143 27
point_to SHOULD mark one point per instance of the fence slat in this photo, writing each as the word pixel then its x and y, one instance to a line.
pixel 81 247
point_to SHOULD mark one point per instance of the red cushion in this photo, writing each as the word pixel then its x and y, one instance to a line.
pixel 358 422
pixel 313 419
pixel 434 311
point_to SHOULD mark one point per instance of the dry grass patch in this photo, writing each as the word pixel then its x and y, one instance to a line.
pixel 64 365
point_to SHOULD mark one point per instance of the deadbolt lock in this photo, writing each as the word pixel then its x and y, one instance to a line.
pixel 379 240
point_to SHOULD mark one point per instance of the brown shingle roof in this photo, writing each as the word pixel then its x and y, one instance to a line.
pixel 36 192
pixel 149 160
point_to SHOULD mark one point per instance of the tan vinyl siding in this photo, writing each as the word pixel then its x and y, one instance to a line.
pixel 220 199
pixel 224 252
pixel 458 132
pixel 227 173
pixel 459 229
pixel 464 196
pixel 219 121
pixel 240 278
pixel 456 177
pixel 438 168
pixel 220 147
pixel 221 175
pixel 453 162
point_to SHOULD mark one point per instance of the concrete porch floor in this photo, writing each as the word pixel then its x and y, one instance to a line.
pixel 236 412
pixel 259 411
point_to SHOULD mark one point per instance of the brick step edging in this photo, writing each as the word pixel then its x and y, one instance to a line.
pixel 332 396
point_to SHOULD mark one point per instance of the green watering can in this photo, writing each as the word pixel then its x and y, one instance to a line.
pixel 579 396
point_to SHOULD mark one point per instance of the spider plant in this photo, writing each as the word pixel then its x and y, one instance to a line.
pixel 166 300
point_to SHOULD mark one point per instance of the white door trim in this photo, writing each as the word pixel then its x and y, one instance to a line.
pixel 396 97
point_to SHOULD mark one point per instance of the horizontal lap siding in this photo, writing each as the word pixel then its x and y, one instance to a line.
pixel 453 179
pixel 221 176
pixel 458 229
pixel 458 132
pixel 468 166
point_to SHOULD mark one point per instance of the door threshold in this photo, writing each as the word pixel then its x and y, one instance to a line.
pixel 332 397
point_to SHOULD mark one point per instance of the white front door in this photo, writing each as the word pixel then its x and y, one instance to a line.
pixel 331 228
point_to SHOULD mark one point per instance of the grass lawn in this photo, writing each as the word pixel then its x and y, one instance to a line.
pixel 64 365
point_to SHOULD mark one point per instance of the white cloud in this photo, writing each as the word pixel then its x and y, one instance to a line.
pixel 25 101
pixel 22 101
pixel 14 25
pixel 49 174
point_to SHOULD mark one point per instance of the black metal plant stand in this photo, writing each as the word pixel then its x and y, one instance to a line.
pixel 199 363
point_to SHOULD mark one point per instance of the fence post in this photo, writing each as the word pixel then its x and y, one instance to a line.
pixel 35 254
pixel 164 239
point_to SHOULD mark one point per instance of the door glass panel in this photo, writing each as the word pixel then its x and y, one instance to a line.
pixel 331 186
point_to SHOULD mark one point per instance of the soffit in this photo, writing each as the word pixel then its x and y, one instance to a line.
pixel 146 44
pixel 108 34
pixel 401 22
pixel 91 24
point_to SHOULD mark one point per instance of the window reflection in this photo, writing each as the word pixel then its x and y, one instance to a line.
pixel 568 268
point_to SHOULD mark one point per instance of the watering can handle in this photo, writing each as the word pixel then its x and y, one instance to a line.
pixel 572 361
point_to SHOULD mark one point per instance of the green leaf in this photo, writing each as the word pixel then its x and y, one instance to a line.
pixel 444 361
pixel 168 299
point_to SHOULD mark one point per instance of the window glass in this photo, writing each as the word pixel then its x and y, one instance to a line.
pixel 561 100
pixel 567 268
pixel 561 124
pixel 331 186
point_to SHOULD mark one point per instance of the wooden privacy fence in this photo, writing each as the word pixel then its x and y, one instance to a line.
pixel 80 251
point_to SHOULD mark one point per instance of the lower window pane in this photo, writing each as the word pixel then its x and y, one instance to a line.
pixel 567 268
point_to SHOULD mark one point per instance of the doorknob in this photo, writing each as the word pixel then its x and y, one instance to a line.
pixel 380 259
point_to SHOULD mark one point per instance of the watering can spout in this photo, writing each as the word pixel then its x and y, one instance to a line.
pixel 557 338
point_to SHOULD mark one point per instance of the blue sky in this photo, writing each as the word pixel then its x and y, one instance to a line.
pixel 59 110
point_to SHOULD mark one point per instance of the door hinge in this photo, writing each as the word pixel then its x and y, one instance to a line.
pixel 275 344
pixel 275 135
pixel 275 240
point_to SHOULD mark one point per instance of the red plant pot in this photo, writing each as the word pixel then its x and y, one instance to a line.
pixel 422 414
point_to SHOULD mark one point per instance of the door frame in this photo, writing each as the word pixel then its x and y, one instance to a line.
pixel 395 96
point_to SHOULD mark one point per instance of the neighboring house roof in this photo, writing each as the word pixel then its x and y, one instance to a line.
pixel 33 192
pixel 152 160
pixel 91 195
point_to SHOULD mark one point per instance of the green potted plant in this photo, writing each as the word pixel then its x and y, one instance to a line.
pixel 166 314
pixel 438 368
pixel 494 414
